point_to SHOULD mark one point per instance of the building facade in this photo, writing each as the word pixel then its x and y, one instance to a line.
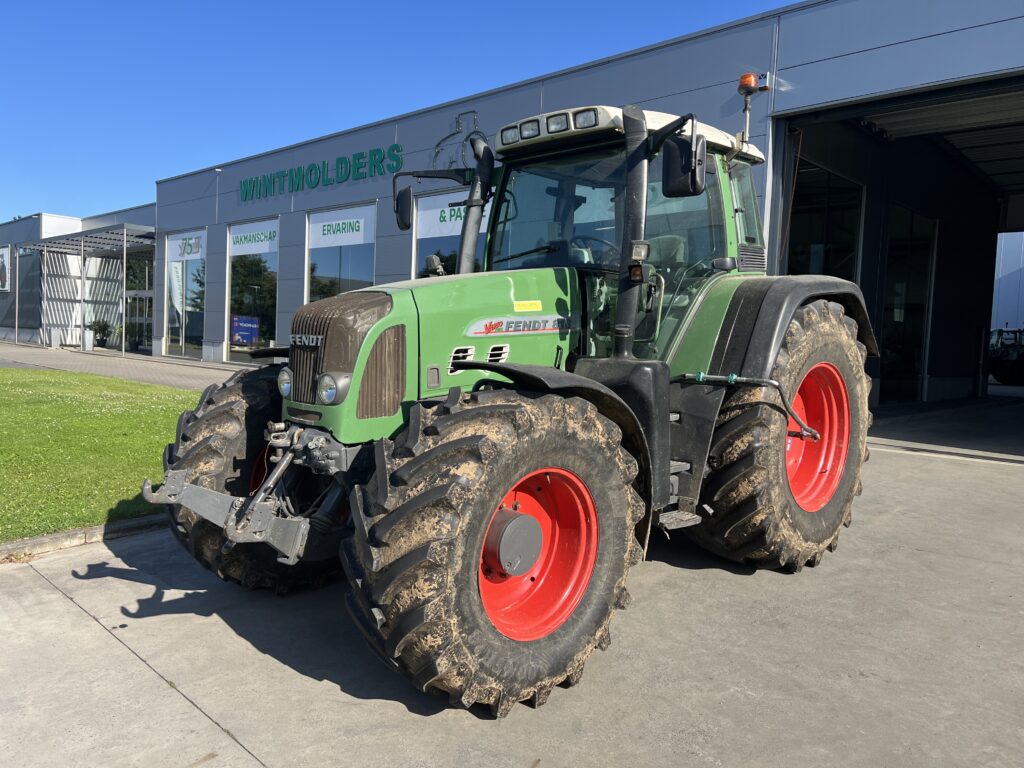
pixel 894 137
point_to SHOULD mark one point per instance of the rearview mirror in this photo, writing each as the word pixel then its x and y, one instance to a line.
pixel 403 208
pixel 683 165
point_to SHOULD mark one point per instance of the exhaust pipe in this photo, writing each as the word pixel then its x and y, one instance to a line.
pixel 635 126
pixel 479 194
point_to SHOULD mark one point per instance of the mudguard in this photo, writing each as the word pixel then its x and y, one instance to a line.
pixel 761 310
pixel 539 378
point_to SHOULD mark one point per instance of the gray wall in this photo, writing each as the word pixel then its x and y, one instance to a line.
pixel 27 284
pixel 853 50
pixel 143 215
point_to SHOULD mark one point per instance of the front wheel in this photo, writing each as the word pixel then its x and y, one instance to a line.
pixel 492 544
pixel 778 499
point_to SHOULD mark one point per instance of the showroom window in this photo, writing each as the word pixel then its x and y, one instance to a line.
pixel 341 250
pixel 252 323
pixel 186 293
pixel 438 228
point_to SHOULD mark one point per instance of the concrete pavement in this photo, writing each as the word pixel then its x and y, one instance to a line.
pixel 181 374
pixel 903 648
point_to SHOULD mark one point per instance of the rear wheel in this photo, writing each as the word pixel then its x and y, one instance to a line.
pixel 492 544
pixel 777 499
pixel 220 445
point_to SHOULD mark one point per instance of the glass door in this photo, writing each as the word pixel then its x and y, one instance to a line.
pixel 186 294
pixel 185 302
pixel 138 304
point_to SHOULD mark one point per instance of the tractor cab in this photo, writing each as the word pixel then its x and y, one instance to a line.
pixel 563 200
pixel 571 193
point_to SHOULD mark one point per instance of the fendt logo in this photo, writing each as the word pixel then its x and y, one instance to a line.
pixel 306 340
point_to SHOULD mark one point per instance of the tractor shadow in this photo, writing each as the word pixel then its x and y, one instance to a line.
pixel 308 630
pixel 680 552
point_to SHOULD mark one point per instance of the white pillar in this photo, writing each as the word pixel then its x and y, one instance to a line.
pixel 81 296
pixel 17 290
pixel 44 327
pixel 124 286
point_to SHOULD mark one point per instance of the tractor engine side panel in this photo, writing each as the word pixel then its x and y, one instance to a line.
pixel 525 317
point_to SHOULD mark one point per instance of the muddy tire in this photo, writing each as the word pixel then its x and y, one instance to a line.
pixel 218 444
pixel 1008 373
pixel 425 586
pixel 775 500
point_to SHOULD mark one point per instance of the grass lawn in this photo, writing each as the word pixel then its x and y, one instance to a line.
pixel 74 448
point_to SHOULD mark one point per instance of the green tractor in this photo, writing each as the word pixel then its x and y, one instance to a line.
pixel 489 451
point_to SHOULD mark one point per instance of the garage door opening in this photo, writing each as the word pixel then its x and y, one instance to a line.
pixel 906 197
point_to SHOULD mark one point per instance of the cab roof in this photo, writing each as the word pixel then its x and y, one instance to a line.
pixel 609 119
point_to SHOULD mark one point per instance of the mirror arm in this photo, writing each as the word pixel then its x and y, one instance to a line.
pixel 462 175
pixel 660 136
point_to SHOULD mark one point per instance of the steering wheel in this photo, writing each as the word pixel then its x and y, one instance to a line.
pixel 581 241
pixel 679 279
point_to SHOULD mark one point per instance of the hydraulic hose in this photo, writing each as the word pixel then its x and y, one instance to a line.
pixel 734 380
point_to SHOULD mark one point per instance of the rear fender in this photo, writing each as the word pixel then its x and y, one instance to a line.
pixel 748 343
pixel 761 311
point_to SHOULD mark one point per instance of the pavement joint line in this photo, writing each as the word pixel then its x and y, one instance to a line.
pixel 154 670
pixel 938 454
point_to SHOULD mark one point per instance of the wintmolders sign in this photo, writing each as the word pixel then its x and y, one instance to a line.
pixel 355 167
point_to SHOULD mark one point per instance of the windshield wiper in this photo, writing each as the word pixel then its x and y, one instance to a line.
pixel 539 249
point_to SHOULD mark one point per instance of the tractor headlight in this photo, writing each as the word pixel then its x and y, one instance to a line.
pixel 326 389
pixel 530 129
pixel 510 135
pixel 586 118
pixel 558 123
pixel 284 383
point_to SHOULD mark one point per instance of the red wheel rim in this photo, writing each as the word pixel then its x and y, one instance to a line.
pixel 536 603
pixel 260 469
pixel 814 468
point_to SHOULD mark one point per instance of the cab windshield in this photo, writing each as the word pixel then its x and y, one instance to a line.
pixel 567 211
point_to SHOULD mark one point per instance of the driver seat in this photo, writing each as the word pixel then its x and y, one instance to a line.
pixel 668 252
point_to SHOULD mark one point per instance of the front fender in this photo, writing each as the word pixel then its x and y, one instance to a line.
pixel 539 378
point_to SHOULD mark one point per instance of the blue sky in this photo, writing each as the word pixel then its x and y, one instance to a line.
pixel 101 99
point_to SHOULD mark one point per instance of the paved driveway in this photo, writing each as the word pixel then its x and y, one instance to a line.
pixel 182 374
pixel 904 648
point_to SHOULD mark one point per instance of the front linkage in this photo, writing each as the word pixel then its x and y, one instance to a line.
pixel 267 515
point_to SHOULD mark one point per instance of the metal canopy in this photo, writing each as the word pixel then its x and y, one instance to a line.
pixel 110 241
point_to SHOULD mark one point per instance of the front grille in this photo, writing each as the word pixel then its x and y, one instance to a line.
pixel 326 336
pixel 383 383
pixel 752 259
